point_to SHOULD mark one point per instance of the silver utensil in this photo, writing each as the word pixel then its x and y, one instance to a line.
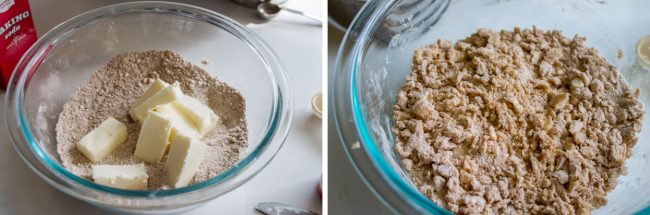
pixel 254 3
pixel 268 10
pixel 249 3
pixel 341 12
pixel 276 208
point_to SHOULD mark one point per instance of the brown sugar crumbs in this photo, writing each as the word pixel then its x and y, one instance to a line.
pixel 515 122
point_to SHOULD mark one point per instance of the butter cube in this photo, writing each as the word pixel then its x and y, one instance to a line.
pixel 102 140
pixel 165 96
pixel 185 156
pixel 203 117
pixel 154 88
pixel 154 138
pixel 132 177
pixel 180 122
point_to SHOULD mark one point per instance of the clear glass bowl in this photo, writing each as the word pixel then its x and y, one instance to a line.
pixel 65 57
pixel 375 58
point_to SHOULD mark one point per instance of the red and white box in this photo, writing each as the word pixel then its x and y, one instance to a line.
pixel 17 34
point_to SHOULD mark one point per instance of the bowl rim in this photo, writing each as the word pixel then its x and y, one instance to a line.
pixel 276 129
pixel 366 157
pixel 369 163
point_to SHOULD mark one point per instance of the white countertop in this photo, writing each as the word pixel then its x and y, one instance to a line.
pixel 291 177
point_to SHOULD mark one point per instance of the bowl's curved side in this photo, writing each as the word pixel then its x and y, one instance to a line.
pixel 372 54
pixel 148 201
pixel 348 111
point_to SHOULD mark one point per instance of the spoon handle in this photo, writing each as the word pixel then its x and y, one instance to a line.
pixel 315 18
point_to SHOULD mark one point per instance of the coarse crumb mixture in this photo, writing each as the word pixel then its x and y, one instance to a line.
pixel 515 122
pixel 112 90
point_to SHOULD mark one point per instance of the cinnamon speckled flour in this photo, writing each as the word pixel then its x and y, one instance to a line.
pixel 516 122
pixel 111 91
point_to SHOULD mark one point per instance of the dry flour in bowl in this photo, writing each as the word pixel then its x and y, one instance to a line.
pixel 111 91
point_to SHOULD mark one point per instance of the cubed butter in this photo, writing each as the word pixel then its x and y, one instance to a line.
pixel 162 97
pixel 102 140
pixel 154 88
pixel 131 177
pixel 154 138
pixel 201 115
pixel 180 122
pixel 185 156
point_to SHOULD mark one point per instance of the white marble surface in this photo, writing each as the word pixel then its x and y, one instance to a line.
pixel 292 177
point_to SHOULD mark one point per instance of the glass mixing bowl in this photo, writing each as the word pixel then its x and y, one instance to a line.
pixel 68 55
pixel 375 57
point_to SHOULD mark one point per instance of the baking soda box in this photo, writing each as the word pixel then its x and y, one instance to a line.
pixel 17 34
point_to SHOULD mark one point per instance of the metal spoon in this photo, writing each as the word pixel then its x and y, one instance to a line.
pixel 268 10
pixel 275 208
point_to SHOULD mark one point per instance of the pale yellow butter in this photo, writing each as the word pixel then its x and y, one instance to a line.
pixel 201 115
pixel 180 122
pixel 185 156
pixel 154 138
pixel 154 88
pixel 102 140
pixel 132 177
pixel 162 97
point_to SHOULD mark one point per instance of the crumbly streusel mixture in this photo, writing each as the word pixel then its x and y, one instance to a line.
pixel 515 122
